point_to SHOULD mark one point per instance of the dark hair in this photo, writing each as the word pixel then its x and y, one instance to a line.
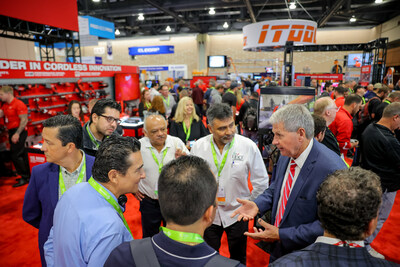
pixel 69 108
pixel 353 98
pixel 347 202
pixel 341 90
pixel 113 154
pixel 358 87
pixel 101 105
pixel 255 94
pixel 69 129
pixel 327 84
pixel 186 189
pixel 319 124
pixel 220 111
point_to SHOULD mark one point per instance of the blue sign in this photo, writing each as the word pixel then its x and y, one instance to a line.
pixel 101 28
pixel 58 45
pixel 98 60
pixel 154 68
pixel 151 50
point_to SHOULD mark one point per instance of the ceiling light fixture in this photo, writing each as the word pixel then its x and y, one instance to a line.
pixel 292 5
pixel 140 17
pixel 212 11
pixel 378 1
pixel 117 32
pixel 353 19
pixel 226 25
pixel 168 29
pixel 96 0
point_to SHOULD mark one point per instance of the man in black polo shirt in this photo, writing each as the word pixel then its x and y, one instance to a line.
pixel 381 154
pixel 230 98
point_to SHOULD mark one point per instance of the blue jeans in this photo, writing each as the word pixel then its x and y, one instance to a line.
pixel 384 211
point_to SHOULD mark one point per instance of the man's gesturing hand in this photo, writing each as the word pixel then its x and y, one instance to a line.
pixel 270 234
pixel 247 211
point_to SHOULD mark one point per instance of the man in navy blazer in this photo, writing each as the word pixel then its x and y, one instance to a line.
pixel 66 165
pixel 292 193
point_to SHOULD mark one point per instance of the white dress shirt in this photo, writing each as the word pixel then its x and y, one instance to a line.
pixel 243 157
pixel 149 185
pixel 299 164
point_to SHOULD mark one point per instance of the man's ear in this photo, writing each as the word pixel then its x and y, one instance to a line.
pixel 209 214
pixel 95 117
pixel 371 227
pixel 209 128
pixel 302 133
pixel 70 147
pixel 113 176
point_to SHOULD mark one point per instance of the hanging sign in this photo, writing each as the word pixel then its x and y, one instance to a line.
pixel 151 50
pixel 275 33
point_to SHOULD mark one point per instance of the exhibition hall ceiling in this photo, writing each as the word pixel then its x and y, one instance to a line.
pixel 135 18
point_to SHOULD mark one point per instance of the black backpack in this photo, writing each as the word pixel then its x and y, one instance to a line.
pixel 250 118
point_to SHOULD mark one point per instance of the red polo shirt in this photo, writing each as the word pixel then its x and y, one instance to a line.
pixel 342 127
pixel 12 112
pixel 339 101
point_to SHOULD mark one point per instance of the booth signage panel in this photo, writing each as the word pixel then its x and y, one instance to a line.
pixel 151 50
pixel 276 32
pixel 326 76
pixel 365 77
pixel 100 28
pixel 154 68
pixel 21 69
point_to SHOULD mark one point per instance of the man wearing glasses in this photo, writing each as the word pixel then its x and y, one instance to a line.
pixel 103 122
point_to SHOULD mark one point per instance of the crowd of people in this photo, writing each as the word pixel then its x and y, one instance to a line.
pixel 191 173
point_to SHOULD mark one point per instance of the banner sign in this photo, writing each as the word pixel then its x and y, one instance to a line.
pixel 365 77
pixel 151 50
pixel 327 76
pixel 22 69
pixel 274 33
pixel 154 68
pixel 97 27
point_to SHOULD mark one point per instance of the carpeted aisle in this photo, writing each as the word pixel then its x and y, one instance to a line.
pixel 18 240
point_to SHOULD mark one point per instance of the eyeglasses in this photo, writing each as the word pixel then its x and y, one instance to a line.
pixel 111 119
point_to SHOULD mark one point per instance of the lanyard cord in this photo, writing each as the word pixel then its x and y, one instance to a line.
pixel 80 177
pixel 187 131
pixel 92 137
pixel 182 236
pixel 220 167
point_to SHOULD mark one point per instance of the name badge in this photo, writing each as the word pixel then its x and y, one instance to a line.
pixel 221 196
pixel 237 157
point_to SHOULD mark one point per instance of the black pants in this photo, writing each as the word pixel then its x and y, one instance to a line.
pixel 151 216
pixel 19 156
pixel 237 241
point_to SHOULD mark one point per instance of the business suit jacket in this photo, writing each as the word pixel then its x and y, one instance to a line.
pixel 41 198
pixel 300 225
pixel 321 254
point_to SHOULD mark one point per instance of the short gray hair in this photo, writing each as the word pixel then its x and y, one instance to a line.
pixel 294 117
pixel 220 111
pixel 150 116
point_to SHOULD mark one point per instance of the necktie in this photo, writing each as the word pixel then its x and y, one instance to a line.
pixel 286 193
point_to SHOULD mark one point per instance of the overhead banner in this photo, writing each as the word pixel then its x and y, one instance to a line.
pixel 275 33
pixel 151 50
pixel 327 76
pixel 96 27
pixel 22 69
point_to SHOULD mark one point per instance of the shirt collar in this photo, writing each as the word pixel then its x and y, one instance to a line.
pixel 76 172
pixel 304 155
pixel 332 241
pixel 93 134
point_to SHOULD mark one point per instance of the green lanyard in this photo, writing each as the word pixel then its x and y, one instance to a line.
pixel 166 100
pixel 187 131
pixel 230 91
pixel 220 167
pixel 182 236
pixel 363 99
pixel 160 165
pixel 92 137
pixel 387 101
pixel 148 105
pixel 109 199
pixel 80 177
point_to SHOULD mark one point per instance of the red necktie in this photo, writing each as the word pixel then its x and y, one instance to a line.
pixel 286 193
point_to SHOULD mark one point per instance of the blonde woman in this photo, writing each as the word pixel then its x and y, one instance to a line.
pixel 187 125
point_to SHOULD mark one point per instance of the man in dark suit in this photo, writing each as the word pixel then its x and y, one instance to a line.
pixel 348 203
pixel 66 165
pixel 303 166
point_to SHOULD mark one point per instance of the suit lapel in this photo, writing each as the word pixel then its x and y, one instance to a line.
pixel 301 179
pixel 53 182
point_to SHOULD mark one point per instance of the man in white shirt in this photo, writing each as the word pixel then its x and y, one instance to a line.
pixel 168 99
pixel 157 149
pixel 231 158
pixel 343 199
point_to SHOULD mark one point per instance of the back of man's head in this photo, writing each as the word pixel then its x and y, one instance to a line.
pixel 395 96
pixel 101 105
pixel 323 104
pixel 319 125
pixel 69 129
pixel 353 98
pixel 113 154
pixel 391 110
pixel 220 111
pixel 383 90
pixel 294 117
pixel 347 202
pixel 6 89
pixel 255 95
pixel 186 189
pixel 341 90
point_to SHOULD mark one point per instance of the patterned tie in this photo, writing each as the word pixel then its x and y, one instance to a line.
pixel 286 193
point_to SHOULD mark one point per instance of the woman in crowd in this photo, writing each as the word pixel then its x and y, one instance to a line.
pixel 75 109
pixel 157 105
pixel 187 124
pixel 145 102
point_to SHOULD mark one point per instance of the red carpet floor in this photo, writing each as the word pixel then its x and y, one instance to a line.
pixel 18 240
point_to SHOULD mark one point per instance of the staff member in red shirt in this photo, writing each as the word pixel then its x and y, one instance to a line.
pixel 16 118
